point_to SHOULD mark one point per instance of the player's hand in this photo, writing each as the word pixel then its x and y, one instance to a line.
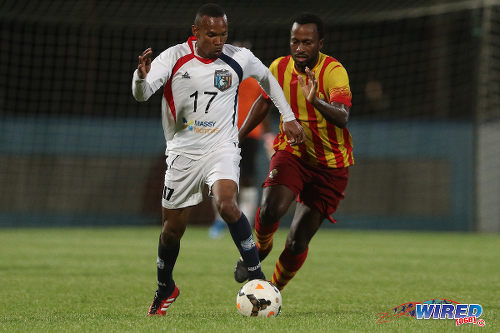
pixel 294 132
pixel 144 63
pixel 310 87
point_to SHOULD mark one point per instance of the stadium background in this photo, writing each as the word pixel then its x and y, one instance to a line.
pixel 77 149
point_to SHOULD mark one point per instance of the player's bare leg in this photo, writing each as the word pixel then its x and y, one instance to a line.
pixel 306 222
pixel 225 193
pixel 218 225
pixel 174 225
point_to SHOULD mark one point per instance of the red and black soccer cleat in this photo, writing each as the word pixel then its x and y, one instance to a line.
pixel 160 305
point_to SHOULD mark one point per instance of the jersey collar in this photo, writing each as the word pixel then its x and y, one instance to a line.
pixel 191 42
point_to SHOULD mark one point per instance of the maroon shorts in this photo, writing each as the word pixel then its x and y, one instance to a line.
pixel 315 186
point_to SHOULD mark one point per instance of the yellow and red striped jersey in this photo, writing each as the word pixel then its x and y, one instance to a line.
pixel 325 144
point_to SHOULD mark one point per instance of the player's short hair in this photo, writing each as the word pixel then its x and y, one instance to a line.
pixel 306 18
pixel 211 10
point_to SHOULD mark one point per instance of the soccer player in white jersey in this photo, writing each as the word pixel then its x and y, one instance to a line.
pixel 199 115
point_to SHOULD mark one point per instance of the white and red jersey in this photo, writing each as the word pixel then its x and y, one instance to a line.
pixel 199 104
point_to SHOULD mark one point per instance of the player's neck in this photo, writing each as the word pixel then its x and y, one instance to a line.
pixel 311 65
pixel 196 53
pixel 199 55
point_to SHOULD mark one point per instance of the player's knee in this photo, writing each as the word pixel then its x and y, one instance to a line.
pixel 270 212
pixel 171 236
pixel 296 246
pixel 228 210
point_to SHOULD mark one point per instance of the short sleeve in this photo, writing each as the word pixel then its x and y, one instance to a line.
pixel 338 87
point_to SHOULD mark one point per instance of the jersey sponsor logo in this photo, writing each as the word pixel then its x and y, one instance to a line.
pixel 204 123
pixel 199 126
pixel 222 79
pixel 186 75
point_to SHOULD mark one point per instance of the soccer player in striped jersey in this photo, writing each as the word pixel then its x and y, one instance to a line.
pixel 313 173
pixel 200 80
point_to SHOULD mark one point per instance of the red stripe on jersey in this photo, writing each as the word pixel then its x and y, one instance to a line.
pixel 167 91
pixel 316 138
pixel 348 146
pixel 294 82
pixel 303 148
pixel 327 61
pixel 313 123
pixel 280 138
pixel 332 134
pixel 281 70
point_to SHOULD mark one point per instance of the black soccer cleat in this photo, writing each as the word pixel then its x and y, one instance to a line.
pixel 240 271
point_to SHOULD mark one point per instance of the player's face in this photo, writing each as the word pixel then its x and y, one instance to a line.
pixel 211 34
pixel 305 45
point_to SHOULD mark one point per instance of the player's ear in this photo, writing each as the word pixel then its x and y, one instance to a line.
pixel 321 44
pixel 195 30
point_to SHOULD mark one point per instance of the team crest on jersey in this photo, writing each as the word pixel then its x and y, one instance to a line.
pixel 222 79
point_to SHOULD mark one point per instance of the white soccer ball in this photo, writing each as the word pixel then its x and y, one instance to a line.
pixel 259 298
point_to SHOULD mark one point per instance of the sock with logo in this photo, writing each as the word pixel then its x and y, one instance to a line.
pixel 167 256
pixel 242 237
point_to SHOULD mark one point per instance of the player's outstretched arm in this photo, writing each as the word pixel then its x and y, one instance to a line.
pixel 336 113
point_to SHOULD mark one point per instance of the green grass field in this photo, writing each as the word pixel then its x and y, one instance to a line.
pixel 103 280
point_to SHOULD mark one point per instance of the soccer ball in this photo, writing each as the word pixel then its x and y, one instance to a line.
pixel 259 298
